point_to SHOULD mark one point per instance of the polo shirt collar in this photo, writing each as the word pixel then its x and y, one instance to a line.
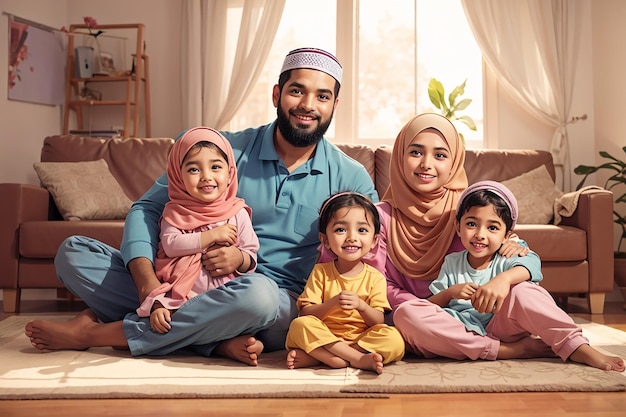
pixel 315 165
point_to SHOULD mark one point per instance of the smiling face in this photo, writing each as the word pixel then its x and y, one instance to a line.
pixel 305 106
pixel 350 233
pixel 205 173
pixel 427 161
pixel 482 231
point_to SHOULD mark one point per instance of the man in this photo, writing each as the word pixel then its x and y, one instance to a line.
pixel 286 170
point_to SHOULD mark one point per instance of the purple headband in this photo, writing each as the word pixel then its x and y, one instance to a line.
pixel 499 190
pixel 339 194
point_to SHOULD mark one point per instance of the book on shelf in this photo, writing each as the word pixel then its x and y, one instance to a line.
pixel 112 133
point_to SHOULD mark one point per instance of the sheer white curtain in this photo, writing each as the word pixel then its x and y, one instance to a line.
pixel 532 47
pixel 216 79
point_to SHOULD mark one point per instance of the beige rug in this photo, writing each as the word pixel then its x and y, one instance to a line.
pixel 106 373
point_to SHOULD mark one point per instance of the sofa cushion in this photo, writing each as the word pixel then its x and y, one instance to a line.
pixel 363 154
pixel 84 190
pixel 504 164
pixel 134 162
pixel 383 161
pixel 555 243
pixel 536 193
pixel 41 239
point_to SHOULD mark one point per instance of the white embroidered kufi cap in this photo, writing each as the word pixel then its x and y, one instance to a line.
pixel 313 58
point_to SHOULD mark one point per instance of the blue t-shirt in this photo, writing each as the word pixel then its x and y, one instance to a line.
pixel 457 270
pixel 285 206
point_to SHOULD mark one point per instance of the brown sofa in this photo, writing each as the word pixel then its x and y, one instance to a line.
pixel 576 259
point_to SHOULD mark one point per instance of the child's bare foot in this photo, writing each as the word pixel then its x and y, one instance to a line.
pixel 592 357
pixel 297 358
pixel 48 336
pixel 245 349
pixel 525 348
pixel 369 362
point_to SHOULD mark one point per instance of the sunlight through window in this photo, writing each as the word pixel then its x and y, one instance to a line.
pixel 401 45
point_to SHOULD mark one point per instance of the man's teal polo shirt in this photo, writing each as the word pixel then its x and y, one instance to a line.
pixel 285 206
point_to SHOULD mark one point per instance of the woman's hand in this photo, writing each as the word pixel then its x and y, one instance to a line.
pixel 511 247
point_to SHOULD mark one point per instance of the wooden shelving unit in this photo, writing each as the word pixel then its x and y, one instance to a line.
pixel 134 81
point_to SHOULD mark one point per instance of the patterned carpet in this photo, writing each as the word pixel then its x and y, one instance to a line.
pixel 106 373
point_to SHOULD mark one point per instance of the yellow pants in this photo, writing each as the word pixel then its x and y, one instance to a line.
pixel 309 333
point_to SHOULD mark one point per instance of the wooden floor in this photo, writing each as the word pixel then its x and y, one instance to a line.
pixel 457 405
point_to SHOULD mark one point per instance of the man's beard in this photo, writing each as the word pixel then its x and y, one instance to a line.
pixel 299 137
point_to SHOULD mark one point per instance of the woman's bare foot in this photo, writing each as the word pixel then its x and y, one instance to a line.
pixel 526 348
pixel 592 357
pixel 369 362
pixel 297 358
pixel 245 349
pixel 49 336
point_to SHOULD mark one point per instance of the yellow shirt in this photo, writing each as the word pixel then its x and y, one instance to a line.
pixel 325 282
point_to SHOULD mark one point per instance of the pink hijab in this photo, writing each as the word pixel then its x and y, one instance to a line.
pixel 188 214
pixel 422 224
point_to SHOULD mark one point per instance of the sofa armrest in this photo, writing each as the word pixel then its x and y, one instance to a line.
pixel 18 203
pixel 594 214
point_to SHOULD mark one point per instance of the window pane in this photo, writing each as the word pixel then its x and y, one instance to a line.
pixel 447 51
pixel 386 59
pixel 395 63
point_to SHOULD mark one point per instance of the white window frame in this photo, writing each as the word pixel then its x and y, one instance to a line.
pixel 346 118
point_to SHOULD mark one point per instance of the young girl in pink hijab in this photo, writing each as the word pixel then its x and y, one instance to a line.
pixel 203 211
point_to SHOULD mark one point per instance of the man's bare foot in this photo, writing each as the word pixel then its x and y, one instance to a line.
pixel 369 362
pixel 592 357
pixel 526 348
pixel 49 336
pixel 243 348
pixel 297 358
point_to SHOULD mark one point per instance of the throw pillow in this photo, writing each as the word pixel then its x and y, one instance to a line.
pixel 84 190
pixel 535 192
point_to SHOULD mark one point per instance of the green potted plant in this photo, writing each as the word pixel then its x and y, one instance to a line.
pixel 617 184
pixel 454 104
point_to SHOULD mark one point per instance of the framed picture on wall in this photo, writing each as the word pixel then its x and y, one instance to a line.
pixel 36 63
pixel 107 66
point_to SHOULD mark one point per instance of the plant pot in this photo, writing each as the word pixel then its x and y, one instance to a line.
pixel 620 275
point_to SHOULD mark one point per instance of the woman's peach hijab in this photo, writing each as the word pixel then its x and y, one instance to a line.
pixel 422 224
pixel 188 214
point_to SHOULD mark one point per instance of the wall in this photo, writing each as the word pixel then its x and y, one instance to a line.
pixel 599 91
pixel 601 59
pixel 24 125
pixel 162 20
pixel 609 82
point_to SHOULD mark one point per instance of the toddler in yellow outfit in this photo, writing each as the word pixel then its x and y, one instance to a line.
pixel 342 307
